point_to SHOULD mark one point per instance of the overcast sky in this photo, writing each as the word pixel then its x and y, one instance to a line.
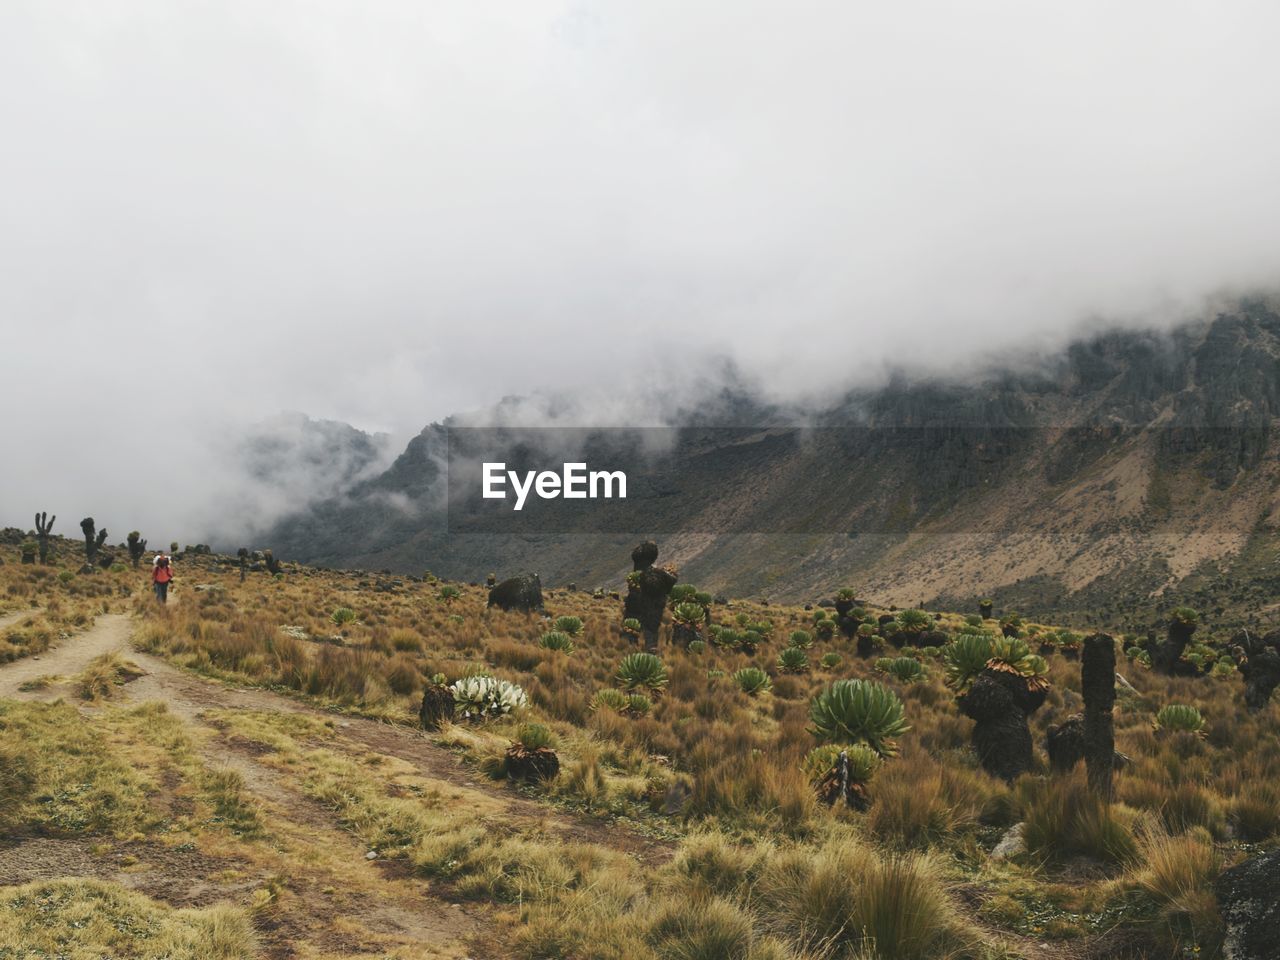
pixel 386 212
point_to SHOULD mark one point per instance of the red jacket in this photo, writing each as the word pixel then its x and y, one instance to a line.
pixel 161 574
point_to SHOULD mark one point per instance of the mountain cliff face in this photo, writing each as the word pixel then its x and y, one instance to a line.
pixel 1135 471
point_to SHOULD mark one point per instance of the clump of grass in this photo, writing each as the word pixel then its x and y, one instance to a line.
pixel 708 928
pixel 58 774
pixel 845 899
pixel 1177 873
pixel 92 918
pixel 224 789
pixel 99 680
pixel 1063 819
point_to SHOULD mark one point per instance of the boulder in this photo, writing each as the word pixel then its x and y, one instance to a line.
pixel 1012 844
pixel 1250 906
pixel 523 592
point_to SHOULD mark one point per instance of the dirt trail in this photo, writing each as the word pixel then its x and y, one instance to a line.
pixel 404 911
pixel 109 632
pixel 189 696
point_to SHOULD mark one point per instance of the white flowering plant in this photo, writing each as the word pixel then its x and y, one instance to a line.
pixel 476 698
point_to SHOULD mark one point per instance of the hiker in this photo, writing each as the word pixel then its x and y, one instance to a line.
pixel 161 576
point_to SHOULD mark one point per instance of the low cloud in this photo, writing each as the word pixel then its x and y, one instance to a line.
pixel 382 214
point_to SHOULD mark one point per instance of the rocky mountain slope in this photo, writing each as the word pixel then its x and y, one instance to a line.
pixel 1134 471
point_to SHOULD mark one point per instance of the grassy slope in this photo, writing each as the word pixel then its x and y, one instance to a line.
pixel 753 868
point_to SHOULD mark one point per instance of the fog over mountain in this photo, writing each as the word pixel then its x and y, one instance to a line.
pixel 384 214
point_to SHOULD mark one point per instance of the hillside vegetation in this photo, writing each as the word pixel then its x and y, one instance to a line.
pixel 246 773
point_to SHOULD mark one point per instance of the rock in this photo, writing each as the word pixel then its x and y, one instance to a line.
pixel 1250 906
pixel 523 592
pixel 1011 844
pixel 371 855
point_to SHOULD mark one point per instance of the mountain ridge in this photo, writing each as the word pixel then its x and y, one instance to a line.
pixel 1132 468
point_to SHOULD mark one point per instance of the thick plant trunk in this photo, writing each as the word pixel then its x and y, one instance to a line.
pixel 1168 655
pixel 1098 684
pixel 1259 662
pixel 999 703
pixel 437 706
pixel 647 590
pixel 1065 743
pixel 684 634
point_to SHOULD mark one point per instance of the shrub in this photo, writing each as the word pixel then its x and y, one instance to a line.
pixel 642 670
pixel 690 614
pixel 448 593
pixel 697 646
pixel 1178 874
pixel 535 736
pixel 703 929
pixel 638 704
pixel 1178 716
pixel 850 711
pixel 476 698
pixel 682 593
pixel 913 621
pixel 802 639
pixel 752 680
pixel 609 699
pixel 793 660
pixel 905 669
pixel 830 661
pixel 863 761
pixel 965 657
pixel 343 616
pixel 402 676
pixel 571 626
pixel 1063 819
pixel 848 900
pixel 557 640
